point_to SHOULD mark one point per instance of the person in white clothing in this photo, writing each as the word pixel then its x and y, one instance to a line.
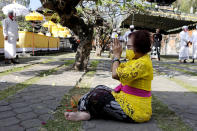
pixel 184 48
pixel 194 45
pixel 114 34
pixel 10 32
pixel 131 29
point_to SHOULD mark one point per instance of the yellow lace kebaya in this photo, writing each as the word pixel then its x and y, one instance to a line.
pixel 137 74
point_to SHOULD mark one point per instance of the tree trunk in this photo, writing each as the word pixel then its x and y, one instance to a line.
pixel 69 18
pixel 82 55
pixel 98 41
pixel 98 50
pixel 98 45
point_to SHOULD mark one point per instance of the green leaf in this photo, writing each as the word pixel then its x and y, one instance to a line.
pixel 99 2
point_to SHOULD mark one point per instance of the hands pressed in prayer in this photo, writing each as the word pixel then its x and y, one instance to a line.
pixel 117 48
pixel 117 51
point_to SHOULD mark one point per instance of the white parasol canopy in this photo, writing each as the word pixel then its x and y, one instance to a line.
pixel 16 8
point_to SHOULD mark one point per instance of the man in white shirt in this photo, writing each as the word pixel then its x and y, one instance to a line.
pixel 194 45
pixel 184 48
pixel 114 34
pixel 10 32
pixel 131 30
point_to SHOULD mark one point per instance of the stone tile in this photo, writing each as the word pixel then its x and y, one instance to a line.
pixel 192 109
pixel 53 106
pixel 3 103
pixel 31 123
pixel 26 116
pixel 5 108
pixel 9 121
pixel 33 129
pixel 19 105
pixel 48 98
pixel 36 100
pixel 34 94
pixel 44 117
pixel 42 111
pixel 43 129
pixel 7 114
pixel 22 110
pixel 51 102
pixel 190 116
pixel 12 128
pixel 38 106
pixel 33 101
pixel 16 100
pixel 27 98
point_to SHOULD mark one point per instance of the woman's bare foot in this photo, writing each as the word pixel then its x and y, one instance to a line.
pixel 77 116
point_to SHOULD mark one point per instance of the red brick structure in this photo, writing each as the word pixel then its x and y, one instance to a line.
pixel 170 44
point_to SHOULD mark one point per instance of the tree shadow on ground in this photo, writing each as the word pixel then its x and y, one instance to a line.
pixel 45 99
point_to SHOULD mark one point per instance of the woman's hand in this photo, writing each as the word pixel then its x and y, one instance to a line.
pixel 116 48
pixel 117 51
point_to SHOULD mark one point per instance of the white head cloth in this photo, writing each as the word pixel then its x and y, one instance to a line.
pixel 131 26
pixel 185 27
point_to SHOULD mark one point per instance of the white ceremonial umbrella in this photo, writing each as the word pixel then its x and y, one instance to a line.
pixel 16 8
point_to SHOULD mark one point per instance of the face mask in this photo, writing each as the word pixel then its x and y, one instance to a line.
pixel 130 54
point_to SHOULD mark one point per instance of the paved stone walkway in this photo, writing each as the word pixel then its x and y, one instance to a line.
pixel 21 76
pixel 23 62
pixel 171 69
pixel 35 104
pixel 31 60
pixel 180 100
pixel 36 66
pixel 26 110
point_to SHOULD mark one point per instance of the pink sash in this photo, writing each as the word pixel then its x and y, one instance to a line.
pixel 133 91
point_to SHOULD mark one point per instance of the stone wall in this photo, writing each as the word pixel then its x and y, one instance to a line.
pixel 170 44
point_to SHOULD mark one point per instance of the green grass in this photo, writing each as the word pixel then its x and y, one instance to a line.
pixel 69 62
pixel 179 70
pixel 157 72
pixel 15 69
pixel 94 64
pixel 91 73
pixel 47 61
pixel 59 123
pixel 48 54
pixel 180 82
pixel 183 71
pixel 14 89
pixel 166 119
pixel 185 85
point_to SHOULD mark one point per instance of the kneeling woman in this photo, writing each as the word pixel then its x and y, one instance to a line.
pixel 131 100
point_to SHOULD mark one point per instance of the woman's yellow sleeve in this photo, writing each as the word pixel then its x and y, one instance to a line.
pixel 131 71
